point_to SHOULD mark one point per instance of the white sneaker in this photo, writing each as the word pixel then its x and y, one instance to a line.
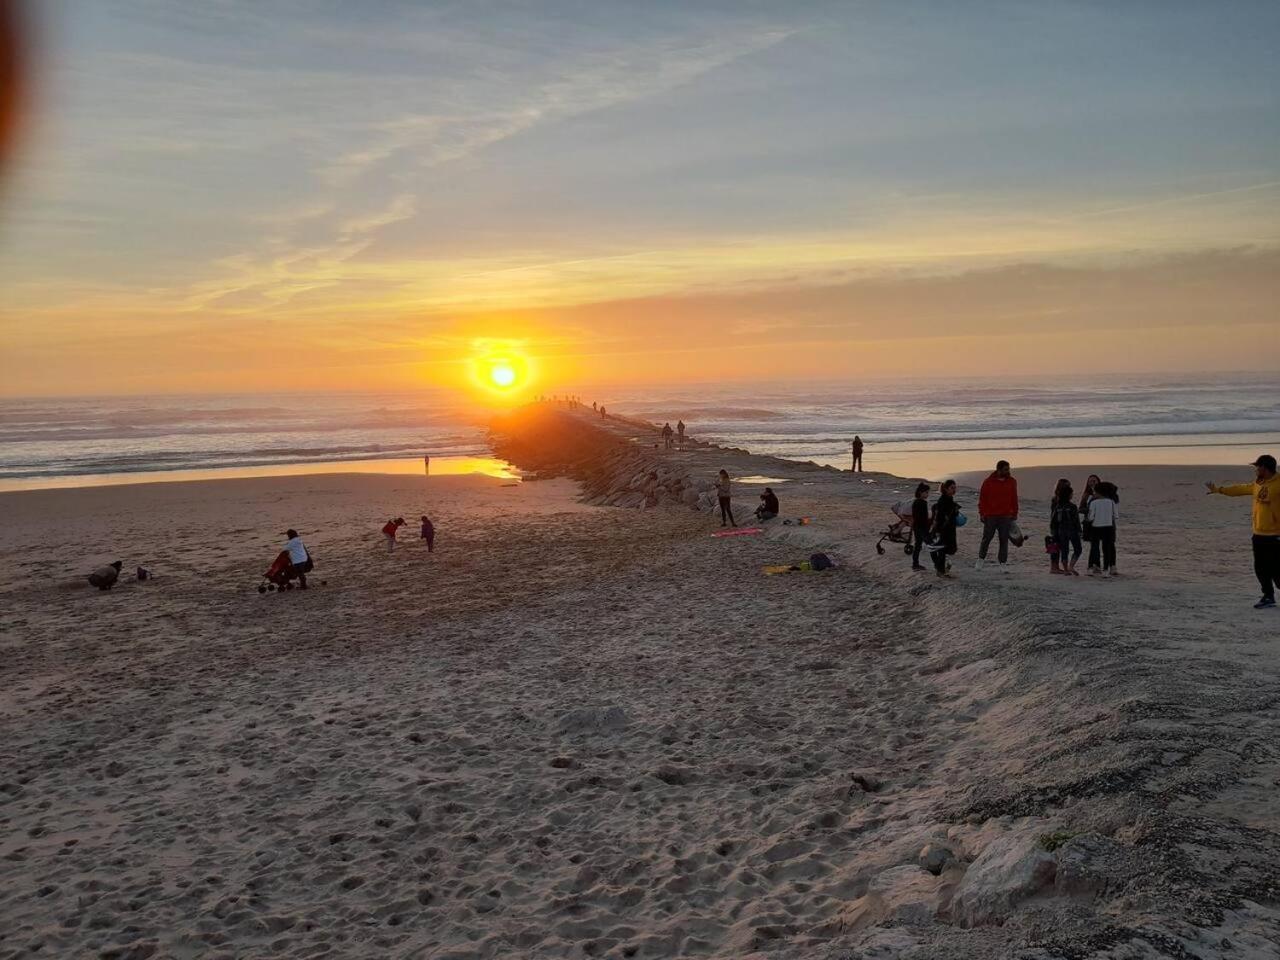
pixel 1107 574
pixel 978 563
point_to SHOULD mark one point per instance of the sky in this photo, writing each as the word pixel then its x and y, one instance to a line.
pixel 328 194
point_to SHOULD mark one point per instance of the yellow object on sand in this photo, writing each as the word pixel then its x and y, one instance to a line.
pixel 802 567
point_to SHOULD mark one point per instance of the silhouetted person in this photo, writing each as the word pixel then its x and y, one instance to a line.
pixel 429 534
pixel 768 508
pixel 680 432
pixel 725 495
pixel 667 434
pixel 104 578
pixel 857 453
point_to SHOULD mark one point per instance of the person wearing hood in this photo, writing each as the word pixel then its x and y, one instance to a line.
pixel 1265 491
pixel 768 508
pixel 104 578
pixel 997 509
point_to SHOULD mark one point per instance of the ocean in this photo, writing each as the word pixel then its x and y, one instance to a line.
pixel 926 428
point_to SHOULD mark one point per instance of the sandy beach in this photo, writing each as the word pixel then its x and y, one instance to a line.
pixel 580 731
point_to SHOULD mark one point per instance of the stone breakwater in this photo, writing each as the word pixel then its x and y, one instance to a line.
pixel 619 463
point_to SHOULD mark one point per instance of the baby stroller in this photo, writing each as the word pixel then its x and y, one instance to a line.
pixel 900 531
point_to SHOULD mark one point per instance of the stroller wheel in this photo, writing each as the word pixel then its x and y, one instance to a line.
pixel 907 549
pixel 879 549
pixel 262 588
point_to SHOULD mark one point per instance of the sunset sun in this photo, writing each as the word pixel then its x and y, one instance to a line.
pixel 500 368
pixel 502 374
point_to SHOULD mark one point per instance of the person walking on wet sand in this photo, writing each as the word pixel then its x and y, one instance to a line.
pixel 997 509
pixel 1265 491
pixel 389 530
pixel 857 454
pixel 724 495
pixel 426 463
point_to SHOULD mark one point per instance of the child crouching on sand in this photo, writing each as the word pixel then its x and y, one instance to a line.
pixel 389 532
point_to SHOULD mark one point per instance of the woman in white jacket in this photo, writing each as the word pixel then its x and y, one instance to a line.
pixel 1104 512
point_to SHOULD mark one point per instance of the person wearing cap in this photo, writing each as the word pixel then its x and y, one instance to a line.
pixel 299 559
pixel 1265 491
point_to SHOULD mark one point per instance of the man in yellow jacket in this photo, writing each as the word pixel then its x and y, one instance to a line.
pixel 1266 524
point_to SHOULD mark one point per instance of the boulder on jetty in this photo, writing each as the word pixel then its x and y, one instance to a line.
pixel 614 470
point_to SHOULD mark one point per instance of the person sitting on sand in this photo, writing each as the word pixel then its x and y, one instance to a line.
pixel 299 559
pixel 429 533
pixel 946 514
pixel 1265 491
pixel 724 495
pixel 104 578
pixel 389 531
pixel 768 508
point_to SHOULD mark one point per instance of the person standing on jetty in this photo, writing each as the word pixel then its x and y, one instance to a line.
pixel 919 523
pixel 667 434
pixel 1265 491
pixel 997 509
pixel 680 432
pixel 724 495
pixel 946 518
pixel 857 454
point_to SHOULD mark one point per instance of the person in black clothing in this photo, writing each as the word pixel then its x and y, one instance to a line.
pixel 768 508
pixel 857 454
pixel 919 523
pixel 945 511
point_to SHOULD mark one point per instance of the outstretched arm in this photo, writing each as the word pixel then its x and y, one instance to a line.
pixel 1234 490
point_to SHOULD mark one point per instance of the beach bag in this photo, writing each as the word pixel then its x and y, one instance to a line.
pixel 820 561
pixel 1016 536
pixel 961 519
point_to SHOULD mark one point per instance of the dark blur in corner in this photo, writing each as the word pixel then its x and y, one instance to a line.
pixel 12 75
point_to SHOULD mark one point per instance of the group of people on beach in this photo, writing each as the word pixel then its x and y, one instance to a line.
pixel 294 561
pixel 1093 520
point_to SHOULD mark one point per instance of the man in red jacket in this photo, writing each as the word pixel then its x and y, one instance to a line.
pixel 997 508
